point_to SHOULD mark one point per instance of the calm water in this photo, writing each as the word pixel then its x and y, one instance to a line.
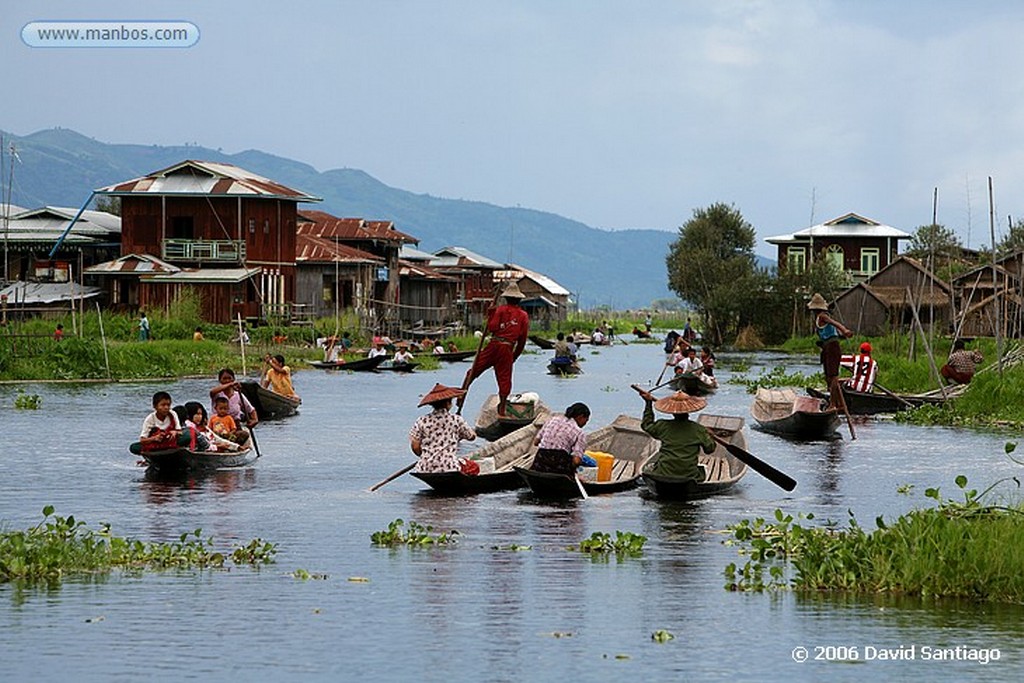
pixel 467 613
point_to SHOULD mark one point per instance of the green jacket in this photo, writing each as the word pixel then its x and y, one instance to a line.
pixel 681 443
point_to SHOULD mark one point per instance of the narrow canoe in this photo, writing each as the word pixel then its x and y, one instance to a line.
pixel 398 367
pixel 268 404
pixel 546 344
pixel 722 469
pixel 631 446
pixel 783 412
pixel 872 403
pixel 184 460
pixel 491 427
pixel 559 368
pixel 454 356
pixel 515 449
pixel 359 365
pixel 693 385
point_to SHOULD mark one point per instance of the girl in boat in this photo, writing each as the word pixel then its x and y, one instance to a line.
pixel 681 438
pixel 435 437
pixel 561 441
pixel 239 407
pixel 829 332
pixel 278 377
pixel 206 438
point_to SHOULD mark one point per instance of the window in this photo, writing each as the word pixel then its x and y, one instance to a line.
pixel 252 226
pixel 835 257
pixel 796 259
pixel 266 226
pixel 869 260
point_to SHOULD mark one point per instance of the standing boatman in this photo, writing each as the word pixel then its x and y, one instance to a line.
pixel 509 327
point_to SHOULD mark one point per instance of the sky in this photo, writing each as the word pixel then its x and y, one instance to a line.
pixel 617 114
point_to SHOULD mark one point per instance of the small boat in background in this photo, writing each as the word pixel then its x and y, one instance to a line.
pixel 454 356
pixel 518 414
pixel 269 405
pixel 546 344
pixel 564 366
pixel 693 384
pixel 398 367
pixel 783 412
pixel 873 403
pixel 722 469
pixel 358 365
pixel 497 461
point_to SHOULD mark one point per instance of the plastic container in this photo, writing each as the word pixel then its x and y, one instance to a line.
pixel 604 465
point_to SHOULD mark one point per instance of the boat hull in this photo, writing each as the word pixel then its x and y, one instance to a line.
pixel 870 403
pixel 359 365
pixel 723 470
pixel 184 460
pixel 269 405
pixel 692 385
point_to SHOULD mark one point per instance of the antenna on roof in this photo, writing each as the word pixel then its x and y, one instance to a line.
pixel 814 197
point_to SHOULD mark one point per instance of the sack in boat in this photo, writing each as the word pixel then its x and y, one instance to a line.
pixel 470 468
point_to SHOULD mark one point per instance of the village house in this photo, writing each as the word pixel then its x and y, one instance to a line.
pixel 991 300
pixel 857 246
pixel 475 279
pixel 212 229
pixel 545 300
pixel 332 277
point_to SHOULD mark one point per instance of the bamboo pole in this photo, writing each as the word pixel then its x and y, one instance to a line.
pixel 927 346
pixel 241 341
pixel 103 336
pixel 995 286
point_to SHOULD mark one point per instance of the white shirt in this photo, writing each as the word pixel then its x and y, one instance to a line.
pixel 691 365
pixel 153 422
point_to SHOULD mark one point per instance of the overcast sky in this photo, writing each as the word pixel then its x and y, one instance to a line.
pixel 618 114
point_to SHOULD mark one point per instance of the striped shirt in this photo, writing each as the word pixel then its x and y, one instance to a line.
pixel 864 369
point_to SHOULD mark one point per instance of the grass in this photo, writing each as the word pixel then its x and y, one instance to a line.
pixel 956 549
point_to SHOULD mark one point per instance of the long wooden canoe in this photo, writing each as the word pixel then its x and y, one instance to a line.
pixel 515 449
pixel 722 470
pixel 783 412
pixel 546 344
pixel 268 404
pixel 560 368
pixel 358 365
pixel 631 446
pixel 398 367
pixel 873 403
pixel 491 427
pixel 454 356
pixel 693 384
pixel 184 460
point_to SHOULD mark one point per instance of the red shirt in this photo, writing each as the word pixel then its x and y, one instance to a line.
pixel 511 324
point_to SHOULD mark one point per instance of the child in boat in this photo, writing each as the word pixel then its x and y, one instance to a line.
pixel 161 429
pixel 403 357
pixel 278 377
pixel 206 438
pixel 223 425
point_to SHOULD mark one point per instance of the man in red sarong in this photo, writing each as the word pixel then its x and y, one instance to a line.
pixel 509 327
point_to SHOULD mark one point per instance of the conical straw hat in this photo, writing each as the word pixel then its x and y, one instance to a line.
pixel 679 403
pixel 817 303
pixel 440 392
pixel 513 292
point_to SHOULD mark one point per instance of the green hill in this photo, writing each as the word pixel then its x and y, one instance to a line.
pixel 622 269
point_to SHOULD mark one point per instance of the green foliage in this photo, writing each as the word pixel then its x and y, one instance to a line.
pixel 304 575
pixel 959 548
pixel 25 401
pixel 60 546
pixel 933 240
pixel 662 636
pixel 415 535
pixel 623 544
pixel 1014 240
pixel 777 377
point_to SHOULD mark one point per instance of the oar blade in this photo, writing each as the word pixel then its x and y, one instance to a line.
pixel 777 477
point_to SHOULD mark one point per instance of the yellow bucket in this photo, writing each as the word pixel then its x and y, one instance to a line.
pixel 604 464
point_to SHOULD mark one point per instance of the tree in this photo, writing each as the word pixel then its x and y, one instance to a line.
pixel 934 240
pixel 108 204
pixel 708 262
pixel 1014 240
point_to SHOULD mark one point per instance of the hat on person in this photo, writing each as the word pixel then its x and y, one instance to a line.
pixel 817 303
pixel 679 403
pixel 441 393
pixel 865 348
pixel 513 292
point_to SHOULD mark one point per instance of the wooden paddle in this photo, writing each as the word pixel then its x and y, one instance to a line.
pixel 777 477
pixel 895 396
pixel 255 445
pixel 396 475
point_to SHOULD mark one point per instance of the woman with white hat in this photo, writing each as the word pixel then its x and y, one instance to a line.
pixel 682 439
pixel 435 437
pixel 829 331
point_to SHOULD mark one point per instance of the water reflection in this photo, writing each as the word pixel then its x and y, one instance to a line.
pixel 828 474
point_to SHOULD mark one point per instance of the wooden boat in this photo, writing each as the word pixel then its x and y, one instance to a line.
pixel 693 384
pixel 514 449
pixel 268 404
pixel 489 426
pixel 546 344
pixel 722 470
pixel 624 439
pixel 873 403
pixel 783 412
pixel 398 367
pixel 559 366
pixel 454 356
pixel 184 460
pixel 358 365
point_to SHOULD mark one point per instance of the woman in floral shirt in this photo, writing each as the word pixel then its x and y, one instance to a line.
pixel 435 437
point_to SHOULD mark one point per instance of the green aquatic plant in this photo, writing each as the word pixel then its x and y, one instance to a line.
pixel 662 636
pixel 25 401
pixel 305 575
pixel 60 546
pixel 623 544
pixel 777 377
pixel 415 535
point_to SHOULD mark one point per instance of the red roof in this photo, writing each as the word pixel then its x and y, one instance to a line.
pixel 311 249
pixel 323 224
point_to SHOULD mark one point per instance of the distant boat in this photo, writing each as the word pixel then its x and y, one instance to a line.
pixel 546 344
pixel 454 356
pixel 358 365
pixel 873 403
pixel 398 367
pixel 184 460
pixel 783 412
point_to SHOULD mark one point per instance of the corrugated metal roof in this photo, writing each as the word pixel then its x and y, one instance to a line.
pixel 11 209
pixel 205 275
pixel 36 293
pixel 193 177
pixel 460 256
pixel 516 272
pixel 54 219
pixel 418 270
pixel 848 225
pixel 310 249
pixel 133 264
pixel 323 224
pixel 413 254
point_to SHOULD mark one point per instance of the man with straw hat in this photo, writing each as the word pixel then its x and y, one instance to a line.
pixel 829 331
pixel 435 437
pixel 509 327
pixel 681 438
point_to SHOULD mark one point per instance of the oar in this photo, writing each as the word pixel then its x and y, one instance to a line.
pixel 780 479
pixel 846 411
pixel 396 475
pixel 579 485
pixel 895 396
pixel 255 445
pixel 663 369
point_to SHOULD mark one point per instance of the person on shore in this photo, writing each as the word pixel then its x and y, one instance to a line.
pixel 829 332
pixel 161 429
pixel 682 439
pixel 278 377
pixel 863 367
pixel 561 441
pixel 58 333
pixel 198 334
pixel 241 411
pixel 144 333
pixel 509 326
pixel 649 323
pixel 962 364
pixel 435 437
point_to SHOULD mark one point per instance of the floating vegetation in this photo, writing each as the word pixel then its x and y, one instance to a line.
pixel 662 636
pixel 415 535
pixel 304 575
pixel 25 401
pixel 358 579
pixel 777 377
pixel 61 546
pixel 624 544
pixel 512 547
pixel 959 548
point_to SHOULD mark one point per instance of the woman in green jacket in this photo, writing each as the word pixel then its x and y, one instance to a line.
pixel 681 438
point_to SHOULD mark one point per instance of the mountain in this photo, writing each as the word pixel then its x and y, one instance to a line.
pixel 622 269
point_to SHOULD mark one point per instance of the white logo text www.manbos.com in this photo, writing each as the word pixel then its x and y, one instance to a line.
pixel 110 34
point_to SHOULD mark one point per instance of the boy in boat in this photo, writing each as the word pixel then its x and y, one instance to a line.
pixel 435 437
pixel 561 441
pixel 962 364
pixel 223 424
pixel 863 367
pixel 509 327
pixel 278 377
pixel 681 438
pixel 161 429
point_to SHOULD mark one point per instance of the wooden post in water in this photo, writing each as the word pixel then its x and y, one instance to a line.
pixel 241 342
pixel 103 336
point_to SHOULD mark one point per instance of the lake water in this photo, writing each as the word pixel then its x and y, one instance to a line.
pixel 469 612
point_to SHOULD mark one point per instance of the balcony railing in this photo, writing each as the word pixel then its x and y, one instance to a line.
pixel 222 251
